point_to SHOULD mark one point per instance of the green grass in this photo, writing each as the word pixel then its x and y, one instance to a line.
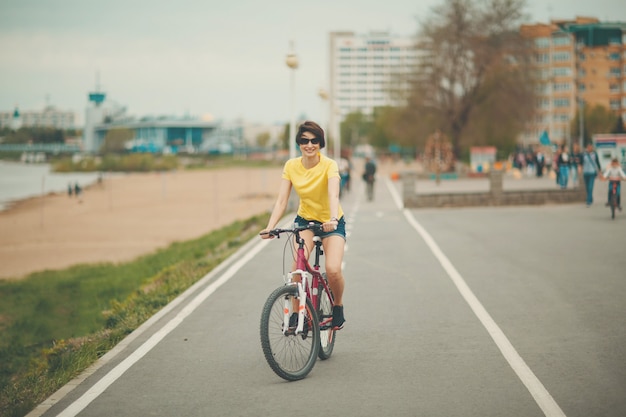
pixel 54 324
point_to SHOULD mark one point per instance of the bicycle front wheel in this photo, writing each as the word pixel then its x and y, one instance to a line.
pixel 291 356
pixel 325 314
pixel 613 205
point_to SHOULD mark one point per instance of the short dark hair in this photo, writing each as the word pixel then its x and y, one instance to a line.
pixel 313 128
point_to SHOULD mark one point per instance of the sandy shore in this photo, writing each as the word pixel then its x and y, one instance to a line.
pixel 127 216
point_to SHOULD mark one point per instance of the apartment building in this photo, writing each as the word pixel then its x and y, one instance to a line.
pixel 365 69
pixel 579 62
pixel 50 116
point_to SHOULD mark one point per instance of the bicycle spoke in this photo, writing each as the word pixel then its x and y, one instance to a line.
pixel 290 355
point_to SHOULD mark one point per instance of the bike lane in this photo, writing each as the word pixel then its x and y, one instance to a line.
pixel 411 345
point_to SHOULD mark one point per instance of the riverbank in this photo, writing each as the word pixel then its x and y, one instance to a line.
pixel 123 217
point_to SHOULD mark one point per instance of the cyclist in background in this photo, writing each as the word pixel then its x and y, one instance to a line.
pixel 316 180
pixel 614 172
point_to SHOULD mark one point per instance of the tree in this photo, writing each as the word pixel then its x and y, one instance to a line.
pixel 474 82
pixel 115 140
pixel 36 135
pixel 263 138
pixel 597 119
pixel 355 129
pixel 619 126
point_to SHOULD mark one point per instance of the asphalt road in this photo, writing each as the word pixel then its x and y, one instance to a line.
pixel 514 311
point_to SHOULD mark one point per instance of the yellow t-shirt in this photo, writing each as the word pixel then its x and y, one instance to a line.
pixel 312 187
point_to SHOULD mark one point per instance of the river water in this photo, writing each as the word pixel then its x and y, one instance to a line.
pixel 19 181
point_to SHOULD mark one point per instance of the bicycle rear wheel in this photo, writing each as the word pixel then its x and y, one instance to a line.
pixel 613 205
pixel 325 314
pixel 291 356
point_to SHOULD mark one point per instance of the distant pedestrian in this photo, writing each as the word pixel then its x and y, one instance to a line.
pixel 540 161
pixel 576 161
pixel 344 173
pixel 591 168
pixel 369 176
pixel 555 166
pixel 562 163
pixel 77 192
pixel 530 164
pixel 69 189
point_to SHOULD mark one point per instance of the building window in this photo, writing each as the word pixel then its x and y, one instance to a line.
pixel 582 56
pixel 615 72
pixel 561 102
pixel 614 88
pixel 542 58
pixel 561 57
pixel 562 72
pixel 561 86
pixel 614 56
pixel 561 40
pixel 614 104
pixel 542 42
pixel 581 86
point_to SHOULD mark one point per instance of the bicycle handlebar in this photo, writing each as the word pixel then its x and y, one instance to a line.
pixel 296 229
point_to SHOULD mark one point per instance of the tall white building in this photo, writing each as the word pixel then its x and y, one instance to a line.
pixel 364 69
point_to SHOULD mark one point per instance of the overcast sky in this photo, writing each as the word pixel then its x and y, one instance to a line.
pixel 200 57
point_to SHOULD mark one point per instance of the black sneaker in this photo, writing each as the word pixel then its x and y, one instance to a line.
pixel 338 319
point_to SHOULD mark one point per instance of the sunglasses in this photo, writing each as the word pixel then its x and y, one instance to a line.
pixel 305 141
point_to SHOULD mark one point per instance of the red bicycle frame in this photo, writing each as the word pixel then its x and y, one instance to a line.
pixel 311 287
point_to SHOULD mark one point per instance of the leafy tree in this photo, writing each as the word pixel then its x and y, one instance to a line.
pixel 475 74
pixel 263 138
pixel 597 119
pixel 619 126
pixel 115 140
pixel 382 131
pixel 35 135
pixel 355 129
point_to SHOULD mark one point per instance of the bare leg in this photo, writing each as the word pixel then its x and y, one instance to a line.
pixel 333 251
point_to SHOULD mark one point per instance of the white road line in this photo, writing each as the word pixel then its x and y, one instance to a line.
pixel 542 397
pixel 98 388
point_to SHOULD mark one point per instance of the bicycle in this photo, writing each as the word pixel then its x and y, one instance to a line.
pixel 613 204
pixel 296 321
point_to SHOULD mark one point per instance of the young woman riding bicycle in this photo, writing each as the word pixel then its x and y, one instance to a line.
pixel 316 180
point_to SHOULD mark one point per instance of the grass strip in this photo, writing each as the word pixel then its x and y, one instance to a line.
pixel 54 324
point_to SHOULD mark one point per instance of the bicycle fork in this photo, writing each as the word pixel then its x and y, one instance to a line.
pixel 305 277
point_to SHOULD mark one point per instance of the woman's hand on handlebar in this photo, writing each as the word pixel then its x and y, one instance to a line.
pixel 265 234
pixel 330 226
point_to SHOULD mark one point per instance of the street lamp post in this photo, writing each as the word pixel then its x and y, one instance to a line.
pixel 324 96
pixel 292 63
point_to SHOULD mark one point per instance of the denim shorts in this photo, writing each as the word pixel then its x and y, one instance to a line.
pixel 341 227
